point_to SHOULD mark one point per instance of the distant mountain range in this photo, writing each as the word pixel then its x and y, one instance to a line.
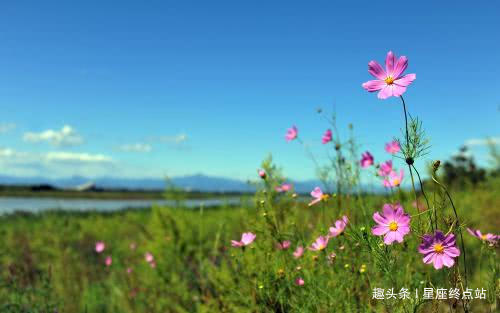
pixel 197 182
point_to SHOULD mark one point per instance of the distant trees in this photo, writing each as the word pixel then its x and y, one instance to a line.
pixel 461 170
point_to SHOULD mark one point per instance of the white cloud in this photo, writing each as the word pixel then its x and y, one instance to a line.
pixel 67 136
pixel 176 139
pixel 136 147
pixel 77 157
pixel 6 127
pixel 482 142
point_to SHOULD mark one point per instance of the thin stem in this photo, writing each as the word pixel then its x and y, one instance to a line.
pixel 458 225
pixel 425 197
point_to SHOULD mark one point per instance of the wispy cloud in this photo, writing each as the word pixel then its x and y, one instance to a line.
pixel 67 136
pixel 482 142
pixel 7 127
pixel 136 147
pixel 175 139
pixel 77 157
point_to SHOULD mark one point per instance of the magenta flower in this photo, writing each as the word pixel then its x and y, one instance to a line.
pixel 108 261
pixel 439 249
pixel 385 168
pixel 262 174
pixel 299 281
pixel 283 245
pixel 320 243
pixel 393 224
pixel 339 227
pixel 327 137
pixel 366 159
pixel 298 252
pixel 99 246
pixel 246 239
pixel 318 195
pixel 392 147
pixel 390 82
pixel 291 133
pixel 491 238
pixel 284 187
pixel 394 179
pixel 148 256
pixel 129 270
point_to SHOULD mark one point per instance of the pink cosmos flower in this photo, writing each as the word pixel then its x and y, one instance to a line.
pixel 320 244
pixel 394 179
pixel 246 239
pixel 299 281
pixel 291 133
pixel 439 249
pixel 283 245
pixel 491 238
pixel 318 195
pixel 339 227
pixel 392 147
pixel 99 246
pixel 390 82
pixel 108 261
pixel 385 168
pixel 393 223
pixel 284 187
pixel 129 270
pixel 148 256
pixel 327 137
pixel 262 174
pixel 298 252
pixel 152 264
pixel 366 159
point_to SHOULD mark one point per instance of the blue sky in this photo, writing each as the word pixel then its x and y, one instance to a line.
pixel 179 87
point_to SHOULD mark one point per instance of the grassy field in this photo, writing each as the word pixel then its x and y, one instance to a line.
pixel 49 263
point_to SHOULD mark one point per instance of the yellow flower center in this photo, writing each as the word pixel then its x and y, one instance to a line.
pixel 389 80
pixel 321 247
pixel 325 197
pixel 438 248
pixel 483 237
pixel 396 182
pixel 393 226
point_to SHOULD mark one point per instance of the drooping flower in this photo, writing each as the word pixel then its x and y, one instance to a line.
pixel 246 239
pixel 298 252
pixel 152 264
pixel 318 196
pixel 491 238
pixel 148 256
pixel 327 137
pixel 392 147
pixel 299 281
pixel 339 227
pixel 283 245
pixel 108 261
pixel 439 249
pixel 385 168
pixel 291 133
pixel 393 223
pixel 262 174
pixel 394 179
pixel 284 187
pixel 390 82
pixel 320 243
pixel 100 246
pixel 366 159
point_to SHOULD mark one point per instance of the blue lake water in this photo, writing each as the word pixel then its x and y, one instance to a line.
pixel 34 205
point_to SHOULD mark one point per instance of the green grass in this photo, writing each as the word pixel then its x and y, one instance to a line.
pixel 48 261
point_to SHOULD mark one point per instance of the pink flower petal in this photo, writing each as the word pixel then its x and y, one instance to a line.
pixel 406 80
pixel 400 67
pixel 376 70
pixel 374 85
pixel 380 219
pixel 389 63
pixel 380 230
pixel 385 93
